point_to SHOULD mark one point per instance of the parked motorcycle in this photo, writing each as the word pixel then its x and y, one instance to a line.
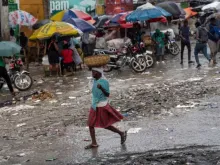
pixel 140 48
pixel 126 56
pixel 170 45
pixel 21 79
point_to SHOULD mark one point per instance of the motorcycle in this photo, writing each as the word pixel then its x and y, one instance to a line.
pixel 170 45
pixel 21 79
pixel 119 59
pixel 140 48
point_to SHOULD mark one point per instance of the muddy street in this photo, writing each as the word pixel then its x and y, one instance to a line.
pixel 171 113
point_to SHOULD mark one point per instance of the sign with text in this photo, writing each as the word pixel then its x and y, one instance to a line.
pixel 83 5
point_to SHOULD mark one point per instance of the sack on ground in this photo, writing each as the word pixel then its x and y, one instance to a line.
pixel 100 43
pixel 76 58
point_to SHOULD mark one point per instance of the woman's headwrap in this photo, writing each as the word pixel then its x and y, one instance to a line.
pixel 100 70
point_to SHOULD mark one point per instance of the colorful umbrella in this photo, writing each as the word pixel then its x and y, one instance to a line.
pixel 8 48
pixel 74 27
pixel 172 8
pixel 72 13
pixel 119 20
pixel 160 19
pixel 52 28
pixel 81 24
pixel 213 5
pixel 144 13
pixel 164 12
pixel 40 23
pixel 20 17
pixel 189 12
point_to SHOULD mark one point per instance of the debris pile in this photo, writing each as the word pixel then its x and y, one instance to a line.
pixel 42 95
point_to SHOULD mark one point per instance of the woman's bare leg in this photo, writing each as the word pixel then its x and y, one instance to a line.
pixel 122 134
pixel 51 69
pixel 116 130
pixel 92 134
pixel 57 69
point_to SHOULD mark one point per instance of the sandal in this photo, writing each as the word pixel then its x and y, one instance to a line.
pixel 91 146
pixel 124 138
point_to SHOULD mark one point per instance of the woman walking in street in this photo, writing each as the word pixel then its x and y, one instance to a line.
pixel 101 114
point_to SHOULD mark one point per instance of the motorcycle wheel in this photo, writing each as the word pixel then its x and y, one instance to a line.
pixel 174 49
pixel 22 85
pixel 139 65
pixel 149 60
pixel 107 68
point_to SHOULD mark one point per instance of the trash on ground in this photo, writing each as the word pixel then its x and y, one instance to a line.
pixel 87 140
pixel 65 104
pixel 21 155
pixel 53 101
pixel 134 130
pixel 195 79
pixel 17 108
pixel 20 125
pixel 42 95
pixel 72 97
pixel 51 159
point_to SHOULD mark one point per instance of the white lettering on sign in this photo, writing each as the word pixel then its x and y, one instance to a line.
pixel 58 5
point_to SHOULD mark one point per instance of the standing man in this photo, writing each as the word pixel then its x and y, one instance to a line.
pixel 158 37
pixel 213 39
pixel 201 43
pixel 85 43
pixel 185 41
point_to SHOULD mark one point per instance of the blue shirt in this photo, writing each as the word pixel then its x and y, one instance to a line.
pixel 97 94
pixel 185 32
pixel 213 33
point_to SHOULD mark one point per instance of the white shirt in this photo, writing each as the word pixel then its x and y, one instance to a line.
pixel 85 38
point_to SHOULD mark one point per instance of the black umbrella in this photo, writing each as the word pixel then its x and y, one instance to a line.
pixel 40 23
pixel 172 8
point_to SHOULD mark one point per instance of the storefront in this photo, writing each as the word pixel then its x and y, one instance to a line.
pixel 35 8
pixel 118 6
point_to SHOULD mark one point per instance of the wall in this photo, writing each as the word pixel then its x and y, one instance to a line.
pixel 34 7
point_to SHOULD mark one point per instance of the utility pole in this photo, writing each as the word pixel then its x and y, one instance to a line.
pixel 46 5
pixel 4 26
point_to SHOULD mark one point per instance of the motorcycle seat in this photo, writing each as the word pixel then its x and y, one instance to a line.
pixel 104 51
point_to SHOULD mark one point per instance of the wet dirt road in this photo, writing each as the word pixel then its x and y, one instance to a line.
pixel 175 107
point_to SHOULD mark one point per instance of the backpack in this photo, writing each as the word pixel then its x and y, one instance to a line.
pixel 203 35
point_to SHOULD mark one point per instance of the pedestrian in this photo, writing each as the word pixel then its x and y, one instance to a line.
pixel 201 43
pixel 213 39
pixel 12 35
pixel 67 55
pixel 24 45
pixel 85 43
pixel 101 114
pixel 4 74
pixel 158 37
pixel 185 40
pixel 53 56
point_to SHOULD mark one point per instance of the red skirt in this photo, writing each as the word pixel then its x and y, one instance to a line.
pixel 103 117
